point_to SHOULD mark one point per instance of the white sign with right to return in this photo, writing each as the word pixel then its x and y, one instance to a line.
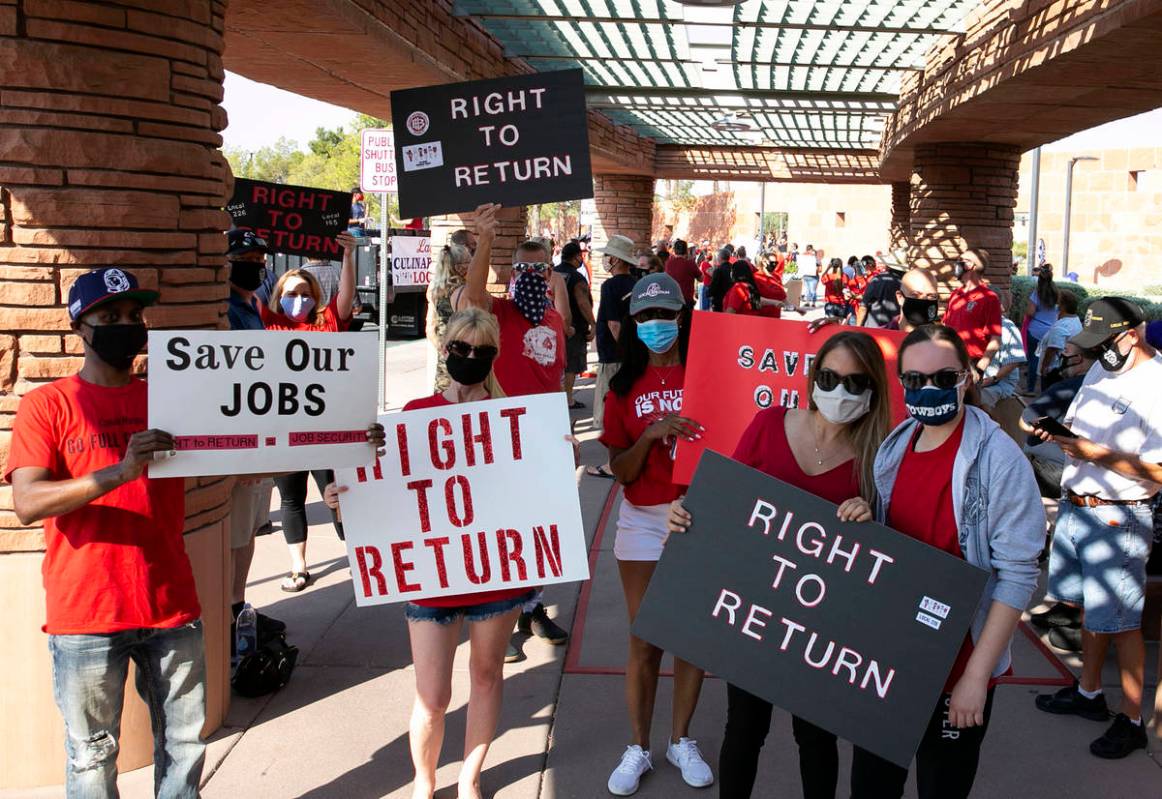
pixel 469 498
pixel 377 161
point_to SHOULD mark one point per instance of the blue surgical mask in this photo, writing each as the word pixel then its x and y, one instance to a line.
pixel 296 307
pixel 658 334
pixel 931 405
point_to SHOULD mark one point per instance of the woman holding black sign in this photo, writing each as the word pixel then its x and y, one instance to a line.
pixel 950 477
pixel 642 424
pixel 295 305
pixel 827 449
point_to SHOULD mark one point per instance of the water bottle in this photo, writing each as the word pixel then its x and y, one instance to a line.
pixel 246 632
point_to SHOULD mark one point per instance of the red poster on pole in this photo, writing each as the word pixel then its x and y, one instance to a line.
pixel 738 365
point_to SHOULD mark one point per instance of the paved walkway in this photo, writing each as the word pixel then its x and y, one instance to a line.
pixel 340 728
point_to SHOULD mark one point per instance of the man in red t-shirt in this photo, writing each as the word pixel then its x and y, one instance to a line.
pixel 683 270
pixel 532 353
pixel 974 310
pixel 118 584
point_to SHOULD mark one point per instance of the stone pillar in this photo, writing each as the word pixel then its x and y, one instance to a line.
pixel 625 207
pixel 511 231
pixel 900 232
pixel 962 196
pixel 110 157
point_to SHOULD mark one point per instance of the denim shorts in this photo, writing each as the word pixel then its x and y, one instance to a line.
pixel 1099 562
pixel 485 610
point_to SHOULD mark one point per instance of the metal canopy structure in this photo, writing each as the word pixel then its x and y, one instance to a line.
pixel 768 73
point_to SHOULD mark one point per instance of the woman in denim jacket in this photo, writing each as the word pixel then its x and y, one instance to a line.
pixel 949 476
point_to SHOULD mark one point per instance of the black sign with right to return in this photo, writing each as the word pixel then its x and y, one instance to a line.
pixel 853 627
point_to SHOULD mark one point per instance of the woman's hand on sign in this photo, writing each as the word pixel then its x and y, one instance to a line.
pixel 576 450
pixel 819 324
pixel 347 241
pixel 673 426
pixel 855 509
pixel 331 495
pixel 485 220
pixel 680 518
pixel 377 438
pixel 141 450
pixel 966 706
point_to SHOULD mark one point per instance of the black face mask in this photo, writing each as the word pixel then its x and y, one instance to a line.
pixel 247 275
pixel 1111 358
pixel 118 345
pixel 468 371
pixel 920 312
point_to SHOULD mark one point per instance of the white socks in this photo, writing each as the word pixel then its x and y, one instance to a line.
pixel 1089 694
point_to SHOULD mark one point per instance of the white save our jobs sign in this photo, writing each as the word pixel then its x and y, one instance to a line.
pixel 256 402
pixel 377 161
pixel 411 260
pixel 468 498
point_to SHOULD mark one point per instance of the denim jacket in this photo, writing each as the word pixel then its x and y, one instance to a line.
pixel 999 516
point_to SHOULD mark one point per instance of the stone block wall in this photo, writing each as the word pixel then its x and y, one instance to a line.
pixel 625 207
pixel 900 229
pixel 108 157
pixel 511 230
pixel 962 196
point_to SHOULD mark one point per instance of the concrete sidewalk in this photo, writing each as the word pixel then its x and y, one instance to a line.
pixel 339 729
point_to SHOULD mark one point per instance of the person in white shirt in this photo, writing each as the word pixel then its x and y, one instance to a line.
pixel 1105 523
pixel 1053 342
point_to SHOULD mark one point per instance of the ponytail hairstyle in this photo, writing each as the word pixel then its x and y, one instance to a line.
pixel 445 269
pixel 1047 294
pixel 939 332
pixel 869 431
pixel 474 323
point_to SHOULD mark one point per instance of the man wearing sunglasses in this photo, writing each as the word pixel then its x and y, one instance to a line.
pixel 917 302
pixel 974 310
pixel 1105 523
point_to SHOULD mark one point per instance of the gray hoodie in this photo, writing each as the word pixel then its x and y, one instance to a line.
pixel 999 516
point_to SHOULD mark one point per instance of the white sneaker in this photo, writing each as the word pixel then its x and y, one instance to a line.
pixel 686 756
pixel 627 776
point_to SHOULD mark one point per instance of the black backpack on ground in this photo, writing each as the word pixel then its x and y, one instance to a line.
pixel 267 669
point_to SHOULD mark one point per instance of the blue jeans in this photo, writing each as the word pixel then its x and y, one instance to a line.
pixel 704 298
pixel 89 673
pixel 1032 362
pixel 810 284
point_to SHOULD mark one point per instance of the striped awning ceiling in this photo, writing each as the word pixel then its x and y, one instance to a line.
pixel 778 73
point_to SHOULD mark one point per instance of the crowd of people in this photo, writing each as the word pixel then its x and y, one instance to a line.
pixel 953 475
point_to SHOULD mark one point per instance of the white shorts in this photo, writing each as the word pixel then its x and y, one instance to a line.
pixel 641 531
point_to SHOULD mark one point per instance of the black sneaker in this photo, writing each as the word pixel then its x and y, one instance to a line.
pixel 1070 702
pixel 1060 615
pixel 266 528
pixel 1067 639
pixel 539 624
pixel 513 653
pixel 1122 738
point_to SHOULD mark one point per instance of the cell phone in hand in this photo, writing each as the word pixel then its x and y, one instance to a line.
pixel 1053 427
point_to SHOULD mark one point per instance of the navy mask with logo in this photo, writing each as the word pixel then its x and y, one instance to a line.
pixel 931 405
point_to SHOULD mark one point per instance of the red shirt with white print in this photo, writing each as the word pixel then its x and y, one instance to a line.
pixel 656 394
pixel 531 359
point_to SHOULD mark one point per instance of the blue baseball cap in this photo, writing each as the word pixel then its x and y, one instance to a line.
pixel 242 241
pixel 104 285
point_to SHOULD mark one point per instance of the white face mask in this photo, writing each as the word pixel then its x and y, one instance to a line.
pixel 840 406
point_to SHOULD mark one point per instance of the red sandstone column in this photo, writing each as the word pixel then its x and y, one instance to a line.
pixel 109 157
pixel 900 232
pixel 962 196
pixel 625 207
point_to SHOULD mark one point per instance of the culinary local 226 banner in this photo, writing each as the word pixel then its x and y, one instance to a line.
pixel 518 140
pixel 256 402
pixel 295 220
pixel 853 627
pixel 738 365
pixel 468 498
pixel 411 257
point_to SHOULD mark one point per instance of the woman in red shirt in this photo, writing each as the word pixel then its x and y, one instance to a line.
pixel 743 297
pixel 471 344
pixel 834 291
pixel 295 305
pixel 950 477
pixel 642 424
pixel 828 449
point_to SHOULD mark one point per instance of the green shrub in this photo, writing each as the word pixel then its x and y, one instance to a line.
pixel 1024 286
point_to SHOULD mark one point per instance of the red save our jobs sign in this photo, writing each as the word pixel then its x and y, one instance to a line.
pixel 739 365
pixel 468 498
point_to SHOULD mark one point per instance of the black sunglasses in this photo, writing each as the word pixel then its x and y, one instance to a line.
pixel 531 266
pixel 945 379
pixel 650 314
pixel 462 349
pixel 855 383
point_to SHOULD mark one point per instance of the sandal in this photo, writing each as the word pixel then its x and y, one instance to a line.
pixel 295 582
pixel 599 471
pixel 576 405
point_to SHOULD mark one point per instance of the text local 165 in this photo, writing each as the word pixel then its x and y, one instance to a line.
pixel 507 135
pixel 450 442
pixel 259 397
pixel 809 589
